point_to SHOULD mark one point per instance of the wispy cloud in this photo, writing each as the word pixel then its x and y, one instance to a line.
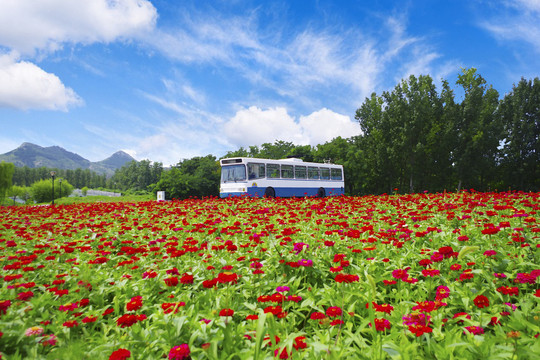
pixel 302 64
pixel 516 20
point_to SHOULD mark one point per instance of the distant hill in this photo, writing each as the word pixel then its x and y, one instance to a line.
pixel 35 156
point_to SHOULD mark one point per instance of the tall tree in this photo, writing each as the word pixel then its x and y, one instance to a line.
pixel 478 132
pixel 6 178
pixel 520 114
pixel 376 145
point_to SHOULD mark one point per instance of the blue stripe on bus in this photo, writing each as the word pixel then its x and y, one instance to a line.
pixel 284 192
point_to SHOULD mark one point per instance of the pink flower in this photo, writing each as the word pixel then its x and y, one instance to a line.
pixel 475 330
pixel 305 263
pixel 34 330
pixel 48 340
pixel 179 352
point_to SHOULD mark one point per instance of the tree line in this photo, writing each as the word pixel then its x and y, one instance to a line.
pixel 413 138
pixel 26 176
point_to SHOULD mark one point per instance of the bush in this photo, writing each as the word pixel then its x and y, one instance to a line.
pixel 84 191
pixel 41 191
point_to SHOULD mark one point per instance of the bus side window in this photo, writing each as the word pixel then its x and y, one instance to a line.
pixel 336 174
pixel 300 172
pixel 287 172
pixel 255 171
pixel 272 171
pixel 325 173
pixel 313 173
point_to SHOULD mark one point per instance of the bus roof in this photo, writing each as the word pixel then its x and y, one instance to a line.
pixel 294 161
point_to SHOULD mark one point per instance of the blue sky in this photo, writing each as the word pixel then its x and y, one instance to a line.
pixel 169 80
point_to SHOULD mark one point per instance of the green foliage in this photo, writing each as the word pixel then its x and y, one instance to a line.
pixel 520 114
pixel 6 176
pixel 136 175
pixel 20 192
pixel 26 176
pixel 41 191
pixel 84 191
pixel 197 177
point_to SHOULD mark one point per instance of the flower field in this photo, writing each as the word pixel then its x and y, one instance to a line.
pixel 453 275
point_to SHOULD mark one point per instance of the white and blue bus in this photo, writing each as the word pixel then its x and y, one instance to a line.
pixel 281 178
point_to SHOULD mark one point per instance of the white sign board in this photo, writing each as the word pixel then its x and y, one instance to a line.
pixel 161 196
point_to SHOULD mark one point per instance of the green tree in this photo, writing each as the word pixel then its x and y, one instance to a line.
pixel 520 114
pixel 379 158
pixel 41 191
pixel 340 151
pixel 478 132
pixel 18 192
pixel 6 178
pixel 197 177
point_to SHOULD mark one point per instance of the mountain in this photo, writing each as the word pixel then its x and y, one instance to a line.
pixel 34 156
pixel 110 164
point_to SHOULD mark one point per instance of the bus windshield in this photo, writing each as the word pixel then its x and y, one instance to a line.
pixel 233 173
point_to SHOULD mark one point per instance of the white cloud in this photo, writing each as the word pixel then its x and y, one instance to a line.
pixel 254 126
pixel 324 125
pixel 33 28
pixel 24 86
pixel 516 20
pixel 28 25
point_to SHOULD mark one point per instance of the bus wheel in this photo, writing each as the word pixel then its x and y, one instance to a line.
pixel 321 193
pixel 269 192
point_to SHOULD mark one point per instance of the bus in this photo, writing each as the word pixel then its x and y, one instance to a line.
pixel 279 178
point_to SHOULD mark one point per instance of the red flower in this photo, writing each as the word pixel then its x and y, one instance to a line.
pixel 430 272
pixel 419 329
pixel 317 316
pixel 346 278
pixel 227 277
pixel 209 283
pixel 89 319
pixel 273 309
pixel 171 281
pixel 382 324
pixel 128 320
pixel 4 305
pixel 24 296
pixel 179 352
pixel 107 312
pixel 120 354
pixel 300 342
pixel 71 323
pixel 333 311
pixel 134 304
pixel 186 279
pixel 252 317
pixel 226 312
pixel 481 301
pixel 508 290
pixel 386 308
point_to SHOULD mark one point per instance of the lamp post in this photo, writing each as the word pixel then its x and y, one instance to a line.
pixel 53 174
pixel 60 181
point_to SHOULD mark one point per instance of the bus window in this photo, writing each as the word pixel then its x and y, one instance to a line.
pixel 255 171
pixel 272 171
pixel 325 173
pixel 287 172
pixel 233 173
pixel 313 173
pixel 300 172
pixel 336 174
